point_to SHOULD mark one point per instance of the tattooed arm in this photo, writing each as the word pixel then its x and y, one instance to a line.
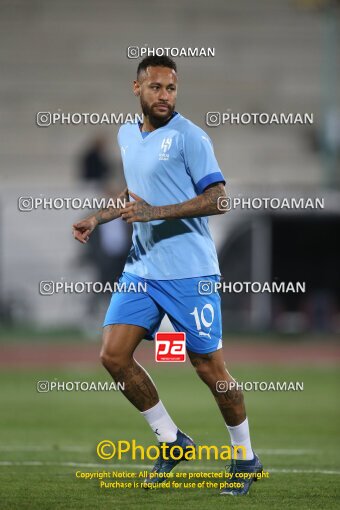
pixel 111 213
pixel 83 229
pixel 205 204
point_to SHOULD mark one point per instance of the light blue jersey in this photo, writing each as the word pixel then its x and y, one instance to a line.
pixel 173 164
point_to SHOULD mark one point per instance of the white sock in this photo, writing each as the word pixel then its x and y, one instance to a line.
pixel 161 423
pixel 239 436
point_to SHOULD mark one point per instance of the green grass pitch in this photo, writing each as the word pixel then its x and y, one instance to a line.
pixel 47 437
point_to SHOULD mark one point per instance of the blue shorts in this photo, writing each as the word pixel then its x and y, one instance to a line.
pixel 189 305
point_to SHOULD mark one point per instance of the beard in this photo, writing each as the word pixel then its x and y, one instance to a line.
pixel 157 119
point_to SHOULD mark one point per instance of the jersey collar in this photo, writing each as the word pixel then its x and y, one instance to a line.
pixel 174 117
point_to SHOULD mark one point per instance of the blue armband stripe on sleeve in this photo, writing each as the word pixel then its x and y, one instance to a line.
pixel 209 179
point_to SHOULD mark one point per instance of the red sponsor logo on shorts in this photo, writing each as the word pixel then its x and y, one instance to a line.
pixel 170 346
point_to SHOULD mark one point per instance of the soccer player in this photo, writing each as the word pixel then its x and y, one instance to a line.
pixel 173 184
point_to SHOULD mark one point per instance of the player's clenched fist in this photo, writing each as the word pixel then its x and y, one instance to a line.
pixel 83 229
pixel 136 211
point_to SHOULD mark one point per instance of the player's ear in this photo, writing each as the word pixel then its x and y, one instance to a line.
pixel 136 88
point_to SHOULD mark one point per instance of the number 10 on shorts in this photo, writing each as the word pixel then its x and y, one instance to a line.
pixel 170 346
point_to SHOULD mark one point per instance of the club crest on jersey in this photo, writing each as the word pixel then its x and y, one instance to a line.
pixel 165 146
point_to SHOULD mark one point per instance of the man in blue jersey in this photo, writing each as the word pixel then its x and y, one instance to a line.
pixel 173 184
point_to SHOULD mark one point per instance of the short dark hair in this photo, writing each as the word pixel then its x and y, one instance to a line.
pixel 155 61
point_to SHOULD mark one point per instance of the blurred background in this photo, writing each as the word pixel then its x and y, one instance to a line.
pixel 270 56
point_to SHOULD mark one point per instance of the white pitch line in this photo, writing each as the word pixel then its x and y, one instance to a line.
pixel 74 464
pixel 285 451
pixel 48 448
pixel 304 471
pixel 147 466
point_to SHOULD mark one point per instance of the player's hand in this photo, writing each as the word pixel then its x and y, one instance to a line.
pixel 136 211
pixel 83 229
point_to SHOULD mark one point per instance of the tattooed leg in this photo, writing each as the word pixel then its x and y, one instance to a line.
pixel 210 368
pixel 138 386
pixel 119 344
